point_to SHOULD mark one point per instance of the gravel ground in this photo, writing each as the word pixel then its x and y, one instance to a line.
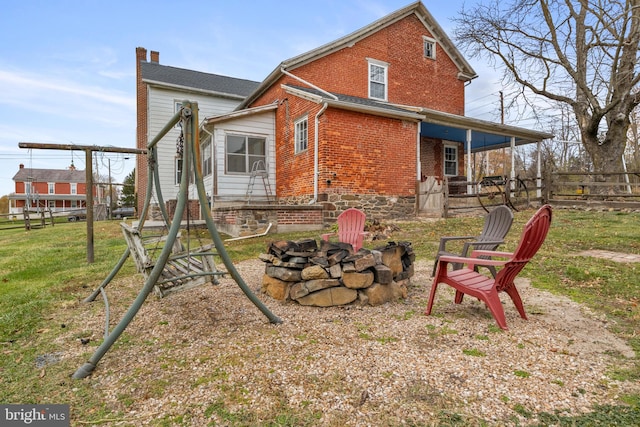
pixel 210 355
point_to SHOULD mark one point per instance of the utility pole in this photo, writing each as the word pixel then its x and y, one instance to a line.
pixel 88 149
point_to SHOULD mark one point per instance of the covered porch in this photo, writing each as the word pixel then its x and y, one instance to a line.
pixel 443 136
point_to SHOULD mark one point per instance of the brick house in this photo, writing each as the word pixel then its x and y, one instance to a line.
pixel 60 190
pixel 361 121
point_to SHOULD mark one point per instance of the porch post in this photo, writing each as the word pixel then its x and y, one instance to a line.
pixel 539 173
pixel 469 177
pixel 513 156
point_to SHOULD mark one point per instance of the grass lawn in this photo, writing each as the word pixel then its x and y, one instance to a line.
pixel 44 272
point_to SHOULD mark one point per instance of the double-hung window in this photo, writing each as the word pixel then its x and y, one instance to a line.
pixel 302 134
pixel 178 170
pixel 52 188
pixel 206 158
pixel 378 78
pixel 450 160
pixel 74 188
pixel 243 151
pixel 177 105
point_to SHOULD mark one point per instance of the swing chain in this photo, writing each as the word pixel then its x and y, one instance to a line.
pixel 185 112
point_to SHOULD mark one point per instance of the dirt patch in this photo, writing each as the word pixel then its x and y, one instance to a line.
pixel 208 353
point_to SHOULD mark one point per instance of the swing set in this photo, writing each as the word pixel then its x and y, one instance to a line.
pixel 176 267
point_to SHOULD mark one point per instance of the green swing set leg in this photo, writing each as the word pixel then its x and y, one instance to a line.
pixel 189 116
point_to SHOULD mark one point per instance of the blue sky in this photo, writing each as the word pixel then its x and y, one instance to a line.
pixel 67 68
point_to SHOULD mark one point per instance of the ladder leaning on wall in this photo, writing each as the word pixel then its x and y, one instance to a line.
pixel 259 169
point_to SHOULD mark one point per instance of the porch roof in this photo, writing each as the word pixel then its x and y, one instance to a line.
pixel 484 135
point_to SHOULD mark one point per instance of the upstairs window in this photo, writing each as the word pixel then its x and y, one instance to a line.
pixel 450 160
pixel 52 188
pixel 302 135
pixel 429 47
pixel 74 188
pixel 378 79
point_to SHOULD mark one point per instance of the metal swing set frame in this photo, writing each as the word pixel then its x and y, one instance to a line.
pixel 187 116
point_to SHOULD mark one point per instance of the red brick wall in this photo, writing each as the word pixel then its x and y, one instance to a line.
pixel 412 78
pixel 361 153
pixel 141 127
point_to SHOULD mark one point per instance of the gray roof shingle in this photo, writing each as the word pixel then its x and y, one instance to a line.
pixel 49 175
pixel 152 71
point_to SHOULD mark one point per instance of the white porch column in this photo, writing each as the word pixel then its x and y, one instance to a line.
pixel 539 173
pixel 469 177
pixel 513 157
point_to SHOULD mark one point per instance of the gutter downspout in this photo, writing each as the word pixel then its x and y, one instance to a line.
pixel 329 94
pixel 316 154
pixel 214 180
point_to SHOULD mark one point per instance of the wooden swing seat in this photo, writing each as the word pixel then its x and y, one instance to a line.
pixel 183 270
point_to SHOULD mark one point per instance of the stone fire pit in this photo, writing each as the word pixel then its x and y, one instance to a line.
pixel 332 274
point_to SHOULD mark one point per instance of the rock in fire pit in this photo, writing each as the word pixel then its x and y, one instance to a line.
pixel 333 274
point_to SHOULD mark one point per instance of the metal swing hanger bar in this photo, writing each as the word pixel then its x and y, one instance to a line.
pixel 81 147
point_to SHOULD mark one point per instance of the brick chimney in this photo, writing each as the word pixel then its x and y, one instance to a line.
pixel 155 56
pixel 141 129
pixel 21 166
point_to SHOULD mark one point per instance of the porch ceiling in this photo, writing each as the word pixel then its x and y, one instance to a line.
pixel 484 135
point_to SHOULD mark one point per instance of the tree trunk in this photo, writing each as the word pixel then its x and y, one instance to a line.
pixel 606 154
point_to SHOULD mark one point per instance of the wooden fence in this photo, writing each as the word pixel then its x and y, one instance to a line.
pixel 613 190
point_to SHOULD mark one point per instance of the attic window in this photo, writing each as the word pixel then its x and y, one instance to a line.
pixel 429 47
pixel 378 79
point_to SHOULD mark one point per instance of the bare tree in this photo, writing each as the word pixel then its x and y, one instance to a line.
pixel 582 53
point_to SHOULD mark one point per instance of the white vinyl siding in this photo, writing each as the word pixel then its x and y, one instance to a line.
pixel 161 109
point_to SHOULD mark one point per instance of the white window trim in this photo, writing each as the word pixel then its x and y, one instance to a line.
pixel 385 65
pixel 433 43
pixel 74 188
pixel 177 170
pixel 51 188
pixel 444 158
pixel 176 107
pixel 207 149
pixel 246 155
pixel 296 139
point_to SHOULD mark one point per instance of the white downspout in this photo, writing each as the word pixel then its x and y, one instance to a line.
pixel 214 169
pixel 283 71
pixel 317 121
pixel 469 177
pixel 539 173
pixel 316 153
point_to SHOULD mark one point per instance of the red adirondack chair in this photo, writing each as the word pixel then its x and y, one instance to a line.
pixel 350 228
pixel 467 281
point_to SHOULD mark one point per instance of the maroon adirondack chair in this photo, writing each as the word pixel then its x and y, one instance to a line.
pixel 470 282
pixel 350 228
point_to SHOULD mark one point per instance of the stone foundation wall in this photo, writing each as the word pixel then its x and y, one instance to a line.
pixel 374 206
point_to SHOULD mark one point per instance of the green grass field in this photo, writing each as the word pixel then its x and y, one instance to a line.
pixel 44 272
